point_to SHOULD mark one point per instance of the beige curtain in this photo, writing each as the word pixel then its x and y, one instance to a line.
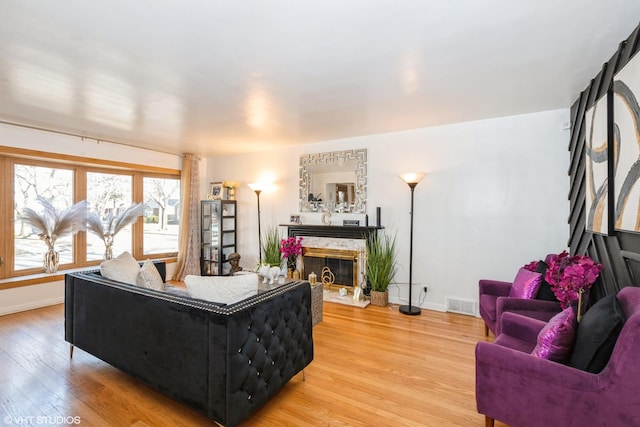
pixel 189 245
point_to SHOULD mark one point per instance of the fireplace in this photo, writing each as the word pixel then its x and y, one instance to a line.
pixel 340 264
pixel 340 249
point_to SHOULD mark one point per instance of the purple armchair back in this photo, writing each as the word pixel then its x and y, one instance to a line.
pixel 523 390
pixel 494 300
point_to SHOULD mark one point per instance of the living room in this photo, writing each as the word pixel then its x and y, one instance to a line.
pixel 495 195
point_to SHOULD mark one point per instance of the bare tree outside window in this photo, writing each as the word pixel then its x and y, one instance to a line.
pixel 53 184
pixel 109 190
pixel 162 215
pixel 108 194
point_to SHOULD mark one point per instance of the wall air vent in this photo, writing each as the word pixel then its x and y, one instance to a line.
pixel 461 306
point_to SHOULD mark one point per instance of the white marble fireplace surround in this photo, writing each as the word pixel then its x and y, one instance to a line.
pixel 344 244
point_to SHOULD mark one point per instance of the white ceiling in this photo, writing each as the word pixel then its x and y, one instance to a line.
pixel 218 77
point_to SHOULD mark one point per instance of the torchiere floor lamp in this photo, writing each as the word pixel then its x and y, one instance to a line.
pixel 412 179
pixel 257 187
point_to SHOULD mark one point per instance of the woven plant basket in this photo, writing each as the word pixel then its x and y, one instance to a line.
pixel 380 299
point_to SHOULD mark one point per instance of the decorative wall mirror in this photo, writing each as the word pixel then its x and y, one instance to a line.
pixel 334 181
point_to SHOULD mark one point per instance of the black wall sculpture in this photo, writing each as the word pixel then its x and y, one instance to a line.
pixel 619 251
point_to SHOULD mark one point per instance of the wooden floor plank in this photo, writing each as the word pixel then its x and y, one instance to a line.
pixel 372 366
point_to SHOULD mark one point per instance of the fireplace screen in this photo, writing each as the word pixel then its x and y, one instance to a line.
pixel 342 263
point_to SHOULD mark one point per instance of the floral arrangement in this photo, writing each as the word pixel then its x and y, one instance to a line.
pixel 569 276
pixel 114 224
pixel 52 224
pixel 230 189
pixel 290 248
pixel 532 266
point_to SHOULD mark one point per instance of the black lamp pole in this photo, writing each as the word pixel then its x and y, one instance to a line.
pixel 259 231
pixel 412 179
pixel 409 309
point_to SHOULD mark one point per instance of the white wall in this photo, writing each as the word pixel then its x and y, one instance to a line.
pixel 15 136
pixel 34 296
pixel 495 198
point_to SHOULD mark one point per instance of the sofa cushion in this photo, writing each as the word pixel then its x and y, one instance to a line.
pixel 124 268
pixel 526 284
pixel 515 343
pixel 222 289
pixel 149 277
pixel 556 339
pixel 597 335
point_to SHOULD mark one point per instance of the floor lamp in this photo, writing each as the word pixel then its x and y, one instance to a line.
pixel 412 179
pixel 257 187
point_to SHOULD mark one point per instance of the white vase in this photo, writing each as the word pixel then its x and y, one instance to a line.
pixel 51 261
pixel 108 252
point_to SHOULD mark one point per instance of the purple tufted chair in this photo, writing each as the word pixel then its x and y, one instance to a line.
pixel 494 300
pixel 526 391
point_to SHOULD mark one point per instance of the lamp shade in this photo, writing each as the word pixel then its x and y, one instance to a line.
pixel 257 186
pixel 413 177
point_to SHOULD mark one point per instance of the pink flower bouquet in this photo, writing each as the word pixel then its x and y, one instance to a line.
pixel 290 248
pixel 568 275
pixel 532 266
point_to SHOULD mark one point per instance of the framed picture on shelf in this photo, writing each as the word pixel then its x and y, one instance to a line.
pixel 294 219
pixel 216 191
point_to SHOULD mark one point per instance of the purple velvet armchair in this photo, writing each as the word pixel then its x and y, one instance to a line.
pixel 523 390
pixel 494 300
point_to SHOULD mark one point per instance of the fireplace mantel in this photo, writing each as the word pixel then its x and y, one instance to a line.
pixel 335 231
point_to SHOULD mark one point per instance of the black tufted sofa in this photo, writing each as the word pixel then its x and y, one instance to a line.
pixel 224 360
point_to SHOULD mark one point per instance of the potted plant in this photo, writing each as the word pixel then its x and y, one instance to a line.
pixel 381 266
pixel 271 247
pixel 229 189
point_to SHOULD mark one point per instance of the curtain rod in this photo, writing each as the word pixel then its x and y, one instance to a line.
pixel 83 137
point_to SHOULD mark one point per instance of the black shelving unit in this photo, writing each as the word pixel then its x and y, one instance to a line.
pixel 217 236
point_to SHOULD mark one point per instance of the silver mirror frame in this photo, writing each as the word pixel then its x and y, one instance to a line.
pixel 336 157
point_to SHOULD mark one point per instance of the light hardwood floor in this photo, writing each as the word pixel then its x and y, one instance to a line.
pixel 372 367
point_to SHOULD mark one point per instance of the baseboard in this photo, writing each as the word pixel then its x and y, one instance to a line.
pixel 433 306
pixel 425 305
pixel 31 305
pixel 394 298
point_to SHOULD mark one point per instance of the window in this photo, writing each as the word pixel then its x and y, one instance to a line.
pixel 108 190
pixel 30 182
pixel 108 194
pixel 162 218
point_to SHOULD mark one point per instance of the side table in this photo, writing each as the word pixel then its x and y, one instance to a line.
pixel 317 292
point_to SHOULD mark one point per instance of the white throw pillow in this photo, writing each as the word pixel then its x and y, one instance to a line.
pixel 123 268
pixel 149 277
pixel 222 289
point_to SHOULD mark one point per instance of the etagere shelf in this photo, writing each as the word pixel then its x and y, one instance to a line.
pixel 217 236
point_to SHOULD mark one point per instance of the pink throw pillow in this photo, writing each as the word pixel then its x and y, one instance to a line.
pixel 556 339
pixel 526 284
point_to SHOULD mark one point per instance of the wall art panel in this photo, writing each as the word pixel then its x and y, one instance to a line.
pixel 596 149
pixel 626 134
